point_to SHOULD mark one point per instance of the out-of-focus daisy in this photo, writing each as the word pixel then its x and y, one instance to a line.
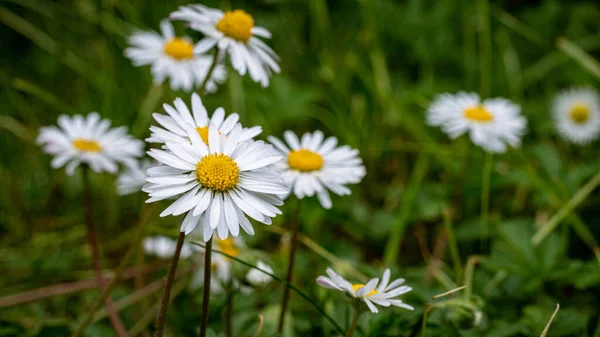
pixel 133 178
pixel 258 278
pixel 374 292
pixel 313 166
pixel 173 57
pixel 577 115
pixel 491 123
pixel 164 247
pixel 234 33
pixel 180 120
pixel 217 184
pixel 89 140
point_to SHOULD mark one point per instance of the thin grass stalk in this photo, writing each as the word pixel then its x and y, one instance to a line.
pixel 485 198
pixel 485 48
pixel 452 243
pixel 353 324
pixel 213 65
pixel 93 242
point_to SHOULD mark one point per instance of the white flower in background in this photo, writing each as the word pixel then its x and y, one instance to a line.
pixel 164 247
pixel 90 141
pixel 180 120
pixel 491 124
pixel 258 278
pixel 374 292
pixel 133 178
pixel 313 166
pixel 221 265
pixel 234 33
pixel 218 184
pixel 173 58
pixel 576 115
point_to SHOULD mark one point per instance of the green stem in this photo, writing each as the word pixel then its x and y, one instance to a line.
pixel 206 288
pixel 229 312
pixel 485 198
pixel 452 243
pixel 213 65
pixel 424 322
pixel 353 324
pixel 295 224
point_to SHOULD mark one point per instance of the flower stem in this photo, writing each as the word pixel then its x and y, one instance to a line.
pixel 213 65
pixel 229 313
pixel 295 224
pixel 452 243
pixel 485 197
pixel 93 242
pixel 164 301
pixel 206 290
pixel 353 324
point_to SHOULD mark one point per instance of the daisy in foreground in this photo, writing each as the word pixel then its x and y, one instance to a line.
pixel 576 115
pixel 234 33
pixel 173 57
pixel 313 166
pixel 492 123
pixel 218 184
pixel 89 140
pixel 179 120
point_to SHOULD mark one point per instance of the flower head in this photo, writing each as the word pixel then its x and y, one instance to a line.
pixel 218 184
pixel 89 140
pixel 374 292
pixel 313 166
pixel 492 123
pixel 576 115
pixel 234 33
pixel 173 57
pixel 179 119
pixel 133 178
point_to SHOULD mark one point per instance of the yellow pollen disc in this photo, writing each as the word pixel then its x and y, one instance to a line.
pixel 179 49
pixel 304 160
pixel 357 286
pixel 228 247
pixel 236 24
pixel 87 145
pixel 580 113
pixel 218 172
pixel 478 113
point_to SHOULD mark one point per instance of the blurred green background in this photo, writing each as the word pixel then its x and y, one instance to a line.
pixel 363 71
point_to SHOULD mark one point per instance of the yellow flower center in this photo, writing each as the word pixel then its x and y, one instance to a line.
pixel 237 25
pixel 580 113
pixel 478 113
pixel 228 247
pixel 87 145
pixel 179 49
pixel 304 160
pixel 357 286
pixel 218 172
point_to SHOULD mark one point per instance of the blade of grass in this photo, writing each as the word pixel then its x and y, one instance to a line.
pixel 579 55
pixel 545 332
pixel 519 27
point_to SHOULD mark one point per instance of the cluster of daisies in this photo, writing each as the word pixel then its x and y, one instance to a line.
pixel 495 124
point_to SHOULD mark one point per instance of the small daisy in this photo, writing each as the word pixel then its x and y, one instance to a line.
pixel 492 124
pixel 314 166
pixel 180 120
pixel 89 140
pixel 164 247
pixel 217 184
pixel 374 292
pixel 133 178
pixel 173 57
pixel 258 278
pixel 576 115
pixel 233 32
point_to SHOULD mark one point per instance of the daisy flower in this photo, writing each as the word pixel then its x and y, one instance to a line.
pixel 234 33
pixel 173 57
pixel 164 247
pixel 492 123
pixel 258 278
pixel 576 115
pixel 133 178
pixel 180 120
pixel 89 140
pixel 374 292
pixel 217 184
pixel 313 166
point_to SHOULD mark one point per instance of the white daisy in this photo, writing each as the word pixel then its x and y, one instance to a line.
pixel 576 115
pixel 91 141
pixel 234 33
pixel 164 247
pixel 179 120
pixel 221 265
pixel 258 278
pixel 218 184
pixel 173 57
pixel 492 124
pixel 374 292
pixel 314 166
pixel 133 178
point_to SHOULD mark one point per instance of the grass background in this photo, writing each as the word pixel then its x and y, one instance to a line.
pixel 363 71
